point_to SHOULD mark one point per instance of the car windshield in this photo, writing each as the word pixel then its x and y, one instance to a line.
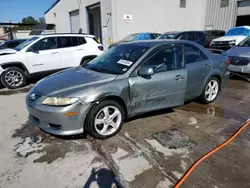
pixel 245 43
pixel 238 31
pixel 117 60
pixel 25 43
pixel 130 37
pixel 168 36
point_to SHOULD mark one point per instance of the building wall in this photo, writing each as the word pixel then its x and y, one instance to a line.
pixel 105 9
pixel 244 8
pixel 157 16
pixel 62 19
pixel 221 17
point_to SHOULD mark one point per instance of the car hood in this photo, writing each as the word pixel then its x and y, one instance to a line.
pixel 70 81
pixel 239 51
pixel 238 38
pixel 7 51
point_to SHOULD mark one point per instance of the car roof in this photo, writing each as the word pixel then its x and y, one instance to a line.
pixel 152 43
pixel 67 34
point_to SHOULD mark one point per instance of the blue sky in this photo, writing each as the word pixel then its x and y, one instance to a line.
pixel 16 10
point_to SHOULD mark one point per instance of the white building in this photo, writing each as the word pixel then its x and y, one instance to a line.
pixel 111 20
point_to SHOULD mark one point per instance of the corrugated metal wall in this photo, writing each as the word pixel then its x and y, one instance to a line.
pixel 221 17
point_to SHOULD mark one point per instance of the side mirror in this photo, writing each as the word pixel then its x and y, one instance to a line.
pixel 34 50
pixel 146 72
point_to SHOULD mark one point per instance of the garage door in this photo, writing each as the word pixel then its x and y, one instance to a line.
pixel 74 21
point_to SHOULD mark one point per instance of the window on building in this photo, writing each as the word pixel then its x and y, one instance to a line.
pixel 182 3
pixel 166 60
pixel 66 42
pixel 224 3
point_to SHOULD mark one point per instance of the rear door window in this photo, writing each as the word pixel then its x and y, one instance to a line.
pixel 67 42
pixel 193 54
pixel 183 36
pixel 82 40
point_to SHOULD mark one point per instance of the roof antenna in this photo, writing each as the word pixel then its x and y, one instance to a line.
pixel 80 31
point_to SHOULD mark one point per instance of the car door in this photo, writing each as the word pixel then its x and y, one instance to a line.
pixel 166 87
pixel 69 48
pixel 198 68
pixel 43 56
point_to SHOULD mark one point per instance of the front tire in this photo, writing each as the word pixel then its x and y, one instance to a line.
pixel 211 91
pixel 13 78
pixel 105 119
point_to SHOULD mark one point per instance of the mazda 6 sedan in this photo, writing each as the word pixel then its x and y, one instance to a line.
pixel 127 80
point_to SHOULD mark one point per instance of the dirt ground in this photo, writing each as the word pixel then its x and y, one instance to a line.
pixel 153 150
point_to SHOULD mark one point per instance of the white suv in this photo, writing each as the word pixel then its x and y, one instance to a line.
pixel 45 54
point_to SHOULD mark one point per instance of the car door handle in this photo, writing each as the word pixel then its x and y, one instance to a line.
pixel 207 66
pixel 80 49
pixel 54 53
pixel 179 77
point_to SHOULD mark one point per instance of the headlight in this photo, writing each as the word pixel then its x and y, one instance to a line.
pixel 56 101
pixel 232 41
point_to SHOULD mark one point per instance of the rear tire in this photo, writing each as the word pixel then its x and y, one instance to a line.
pixel 13 78
pixel 105 119
pixel 210 91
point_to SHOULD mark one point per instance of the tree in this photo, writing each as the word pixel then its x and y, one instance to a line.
pixel 29 20
pixel 42 20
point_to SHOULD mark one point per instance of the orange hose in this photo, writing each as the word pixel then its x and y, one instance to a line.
pixel 191 169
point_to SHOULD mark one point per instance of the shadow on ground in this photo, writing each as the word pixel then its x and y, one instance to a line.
pixel 104 178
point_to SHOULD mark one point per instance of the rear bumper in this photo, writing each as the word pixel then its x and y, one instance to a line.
pixel 239 69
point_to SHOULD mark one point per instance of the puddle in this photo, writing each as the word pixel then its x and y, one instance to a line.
pixel 15 91
pixel 213 110
pixel 50 148
pixel 173 139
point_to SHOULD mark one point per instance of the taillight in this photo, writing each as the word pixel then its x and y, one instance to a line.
pixel 228 63
pixel 100 48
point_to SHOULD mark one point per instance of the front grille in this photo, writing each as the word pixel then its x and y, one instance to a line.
pixel 221 44
pixel 239 61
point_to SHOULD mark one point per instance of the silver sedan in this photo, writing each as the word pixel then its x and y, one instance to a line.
pixel 125 81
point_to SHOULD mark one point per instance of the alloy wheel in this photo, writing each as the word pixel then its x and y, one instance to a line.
pixel 108 120
pixel 13 78
pixel 212 90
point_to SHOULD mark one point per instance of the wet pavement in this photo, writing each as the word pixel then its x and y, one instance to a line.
pixel 152 150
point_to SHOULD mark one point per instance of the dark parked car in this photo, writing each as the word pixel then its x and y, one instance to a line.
pixel 240 59
pixel 11 43
pixel 129 79
pixel 137 36
pixel 201 37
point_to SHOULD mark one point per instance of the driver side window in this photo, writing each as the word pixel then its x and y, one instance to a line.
pixel 49 43
pixel 166 59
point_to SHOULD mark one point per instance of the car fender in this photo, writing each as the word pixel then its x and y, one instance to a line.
pixel 213 73
pixel 4 66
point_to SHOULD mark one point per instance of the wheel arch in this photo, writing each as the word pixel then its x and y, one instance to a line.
pixel 16 64
pixel 218 77
pixel 87 57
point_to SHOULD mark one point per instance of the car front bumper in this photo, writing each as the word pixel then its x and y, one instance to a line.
pixel 53 119
pixel 239 69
